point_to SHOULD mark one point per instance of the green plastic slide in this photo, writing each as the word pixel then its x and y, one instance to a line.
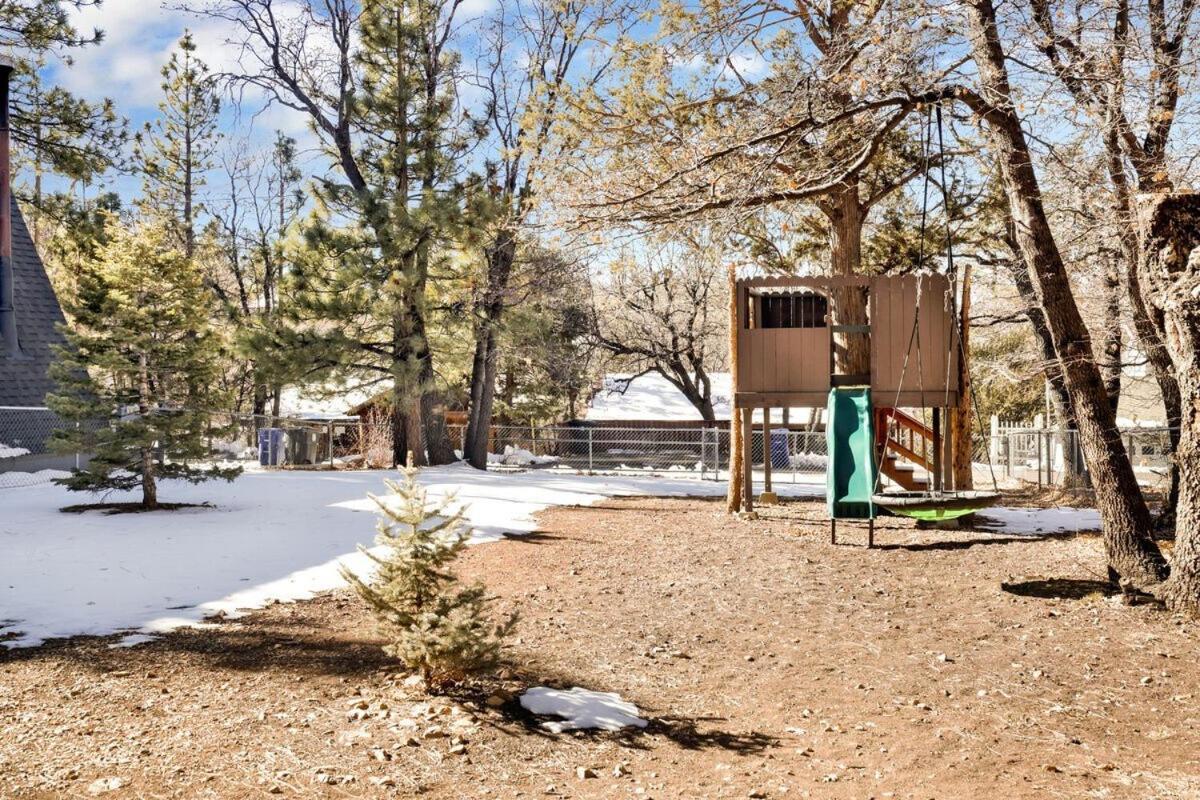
pixel 850 437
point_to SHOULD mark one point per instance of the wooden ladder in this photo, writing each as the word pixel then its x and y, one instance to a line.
pixel 904 443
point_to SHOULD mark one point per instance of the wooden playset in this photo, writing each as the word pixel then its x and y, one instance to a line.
pixel 784 341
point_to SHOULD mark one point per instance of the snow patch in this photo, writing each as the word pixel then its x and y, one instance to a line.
pixel 1030 521
pixel 271 536
pixel 581 709
pixel 12 451
pixel 519 457
pixel 132 640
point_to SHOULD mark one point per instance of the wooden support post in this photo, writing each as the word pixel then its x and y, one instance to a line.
pixel 950 443
pixel 962 462
pixel 936 478
pixel 748 459
pixel 766 428
pixel 737 450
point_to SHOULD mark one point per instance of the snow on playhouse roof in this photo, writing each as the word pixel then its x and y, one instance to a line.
pixel 651 397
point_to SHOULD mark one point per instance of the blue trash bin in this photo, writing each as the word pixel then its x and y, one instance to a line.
pixel 779 448
pixel 270 447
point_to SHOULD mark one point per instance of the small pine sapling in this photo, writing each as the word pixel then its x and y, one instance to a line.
pixel 433 624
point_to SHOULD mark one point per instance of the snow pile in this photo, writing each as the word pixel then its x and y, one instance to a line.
pixel 519 457
pixel 273 535
pixel 11 451
pixel 581 709
pixel 809 461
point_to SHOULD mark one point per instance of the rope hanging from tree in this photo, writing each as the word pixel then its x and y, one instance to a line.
pixel 938 503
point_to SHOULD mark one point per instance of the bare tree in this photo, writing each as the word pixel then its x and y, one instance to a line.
pixel 822 127
pixel 261 200
pixel 525 98
pixel 663 312
pixel 1132 553
pixel 1102 57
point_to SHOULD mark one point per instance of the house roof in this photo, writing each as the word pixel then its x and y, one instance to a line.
pixel 651 397
pixel 25 381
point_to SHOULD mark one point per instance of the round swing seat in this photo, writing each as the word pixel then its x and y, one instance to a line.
pixel 933 506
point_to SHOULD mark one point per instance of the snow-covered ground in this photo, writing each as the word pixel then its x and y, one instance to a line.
pixel 276 535
pixel 272 536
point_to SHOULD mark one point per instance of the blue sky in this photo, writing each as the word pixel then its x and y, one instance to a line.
pixel 139 36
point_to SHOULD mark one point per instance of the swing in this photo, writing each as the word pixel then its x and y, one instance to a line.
pixel 936 505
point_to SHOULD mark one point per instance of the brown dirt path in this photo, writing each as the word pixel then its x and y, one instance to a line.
pixel 770 663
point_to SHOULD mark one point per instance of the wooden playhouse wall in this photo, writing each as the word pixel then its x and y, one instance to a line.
pixel 782 367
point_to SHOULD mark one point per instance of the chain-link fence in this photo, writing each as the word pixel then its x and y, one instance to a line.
pixel 699 451
pixel 26 458
pixel 1017 456
pixel 1054 457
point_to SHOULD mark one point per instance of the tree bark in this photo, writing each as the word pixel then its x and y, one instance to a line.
pixel 851 351
pixel 1170 274
pixel 733 498
pixel 488 312
pixel 149 487
pixel 961 421
pixel 438 447
pixel 1147 325
pixel 1111 344
pixel 1132 554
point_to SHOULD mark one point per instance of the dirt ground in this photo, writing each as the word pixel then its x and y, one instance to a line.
pixel 771 664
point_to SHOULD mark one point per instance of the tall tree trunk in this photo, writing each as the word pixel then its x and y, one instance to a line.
pixel 406 431
pixel 1170 273
pixel 259 407
pixel 1111 343
pixel 1132 553
pixel 399 430
pixel 489 309
pixel 733 497
pixel 149 487
pixel 439 448
pixel 1147 323
pixel 962 422
pixel 851 351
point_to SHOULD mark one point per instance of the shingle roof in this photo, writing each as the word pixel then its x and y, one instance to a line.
pixel 24 381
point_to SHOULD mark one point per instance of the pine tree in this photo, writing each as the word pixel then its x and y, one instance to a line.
pixel 357 293
pixel 175 150
pixel 137 374
pixel 433 625
pixel 53 129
